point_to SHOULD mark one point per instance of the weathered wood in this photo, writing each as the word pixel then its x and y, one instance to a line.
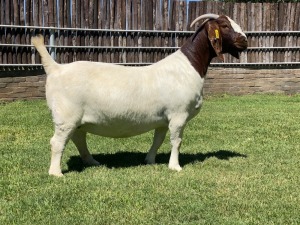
pixel 121 24
pixel 46 13
pixel 165 14
pixel 92 24
pixel 142 56
pixel 4 55
pixel 1 55
pixel 51 13
pixel 12 58
pixel 8 13
pixel 138 38
pixel 191 15
pixel 141 15
pixel 17 12
pixel 290 40
pixel 60 37
pixel 39 5
pixel 297 27
pixel 258 27
pixel 2 13
pixel 100 34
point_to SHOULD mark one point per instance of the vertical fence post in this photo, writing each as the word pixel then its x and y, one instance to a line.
pixel 52 42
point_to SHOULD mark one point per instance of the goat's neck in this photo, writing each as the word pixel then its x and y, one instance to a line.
pixel 199 52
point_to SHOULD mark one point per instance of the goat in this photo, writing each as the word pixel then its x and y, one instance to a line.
pixel 118 101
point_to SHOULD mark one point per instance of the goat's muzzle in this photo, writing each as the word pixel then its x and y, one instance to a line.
pixel 241 43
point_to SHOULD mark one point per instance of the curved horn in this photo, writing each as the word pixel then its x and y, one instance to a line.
pixel 205 16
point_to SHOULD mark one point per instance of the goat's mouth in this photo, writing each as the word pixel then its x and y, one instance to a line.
pixel 240 46
pixel 241 43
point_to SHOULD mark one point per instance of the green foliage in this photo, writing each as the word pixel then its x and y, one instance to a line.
pixel 240 159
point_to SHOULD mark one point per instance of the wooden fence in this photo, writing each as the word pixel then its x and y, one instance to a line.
pixel 139 31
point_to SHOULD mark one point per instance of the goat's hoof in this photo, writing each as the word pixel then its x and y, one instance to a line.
pixel 91 162
pixel 56 174
pixel 175 167
pixel 149 161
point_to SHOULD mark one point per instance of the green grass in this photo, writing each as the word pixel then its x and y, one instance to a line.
pixel 240 158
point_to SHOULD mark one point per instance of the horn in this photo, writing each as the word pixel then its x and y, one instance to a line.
pixel 205 16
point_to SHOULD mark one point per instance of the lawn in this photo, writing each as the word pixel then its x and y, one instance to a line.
pixel 240 158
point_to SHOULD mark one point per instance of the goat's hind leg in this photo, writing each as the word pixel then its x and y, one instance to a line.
pixel 58 142
pixel 79 139
pixel 159 137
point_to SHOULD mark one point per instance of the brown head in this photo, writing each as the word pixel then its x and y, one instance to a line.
pixel 215 36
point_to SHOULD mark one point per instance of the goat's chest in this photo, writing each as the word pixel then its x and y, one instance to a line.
pixel 195 106
pixel 194 95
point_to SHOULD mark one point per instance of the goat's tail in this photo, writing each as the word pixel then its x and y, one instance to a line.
pixel 47 61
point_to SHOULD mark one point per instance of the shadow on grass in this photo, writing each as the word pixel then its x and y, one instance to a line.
pixel 132 159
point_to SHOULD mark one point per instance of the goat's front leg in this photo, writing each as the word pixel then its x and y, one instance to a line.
pixel 159 137
pixel 176 127
pixel 58 142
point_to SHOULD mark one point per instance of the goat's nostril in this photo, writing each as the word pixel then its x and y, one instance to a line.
pixel 242 40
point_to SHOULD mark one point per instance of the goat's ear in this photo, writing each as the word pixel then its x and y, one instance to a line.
pixel 215 38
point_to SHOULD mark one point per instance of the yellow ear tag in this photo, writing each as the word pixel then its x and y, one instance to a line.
pixel 217 34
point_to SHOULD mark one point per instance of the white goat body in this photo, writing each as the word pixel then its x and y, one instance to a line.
pixel 117 101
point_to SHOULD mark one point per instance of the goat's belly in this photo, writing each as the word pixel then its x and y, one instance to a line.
pixel 121 129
